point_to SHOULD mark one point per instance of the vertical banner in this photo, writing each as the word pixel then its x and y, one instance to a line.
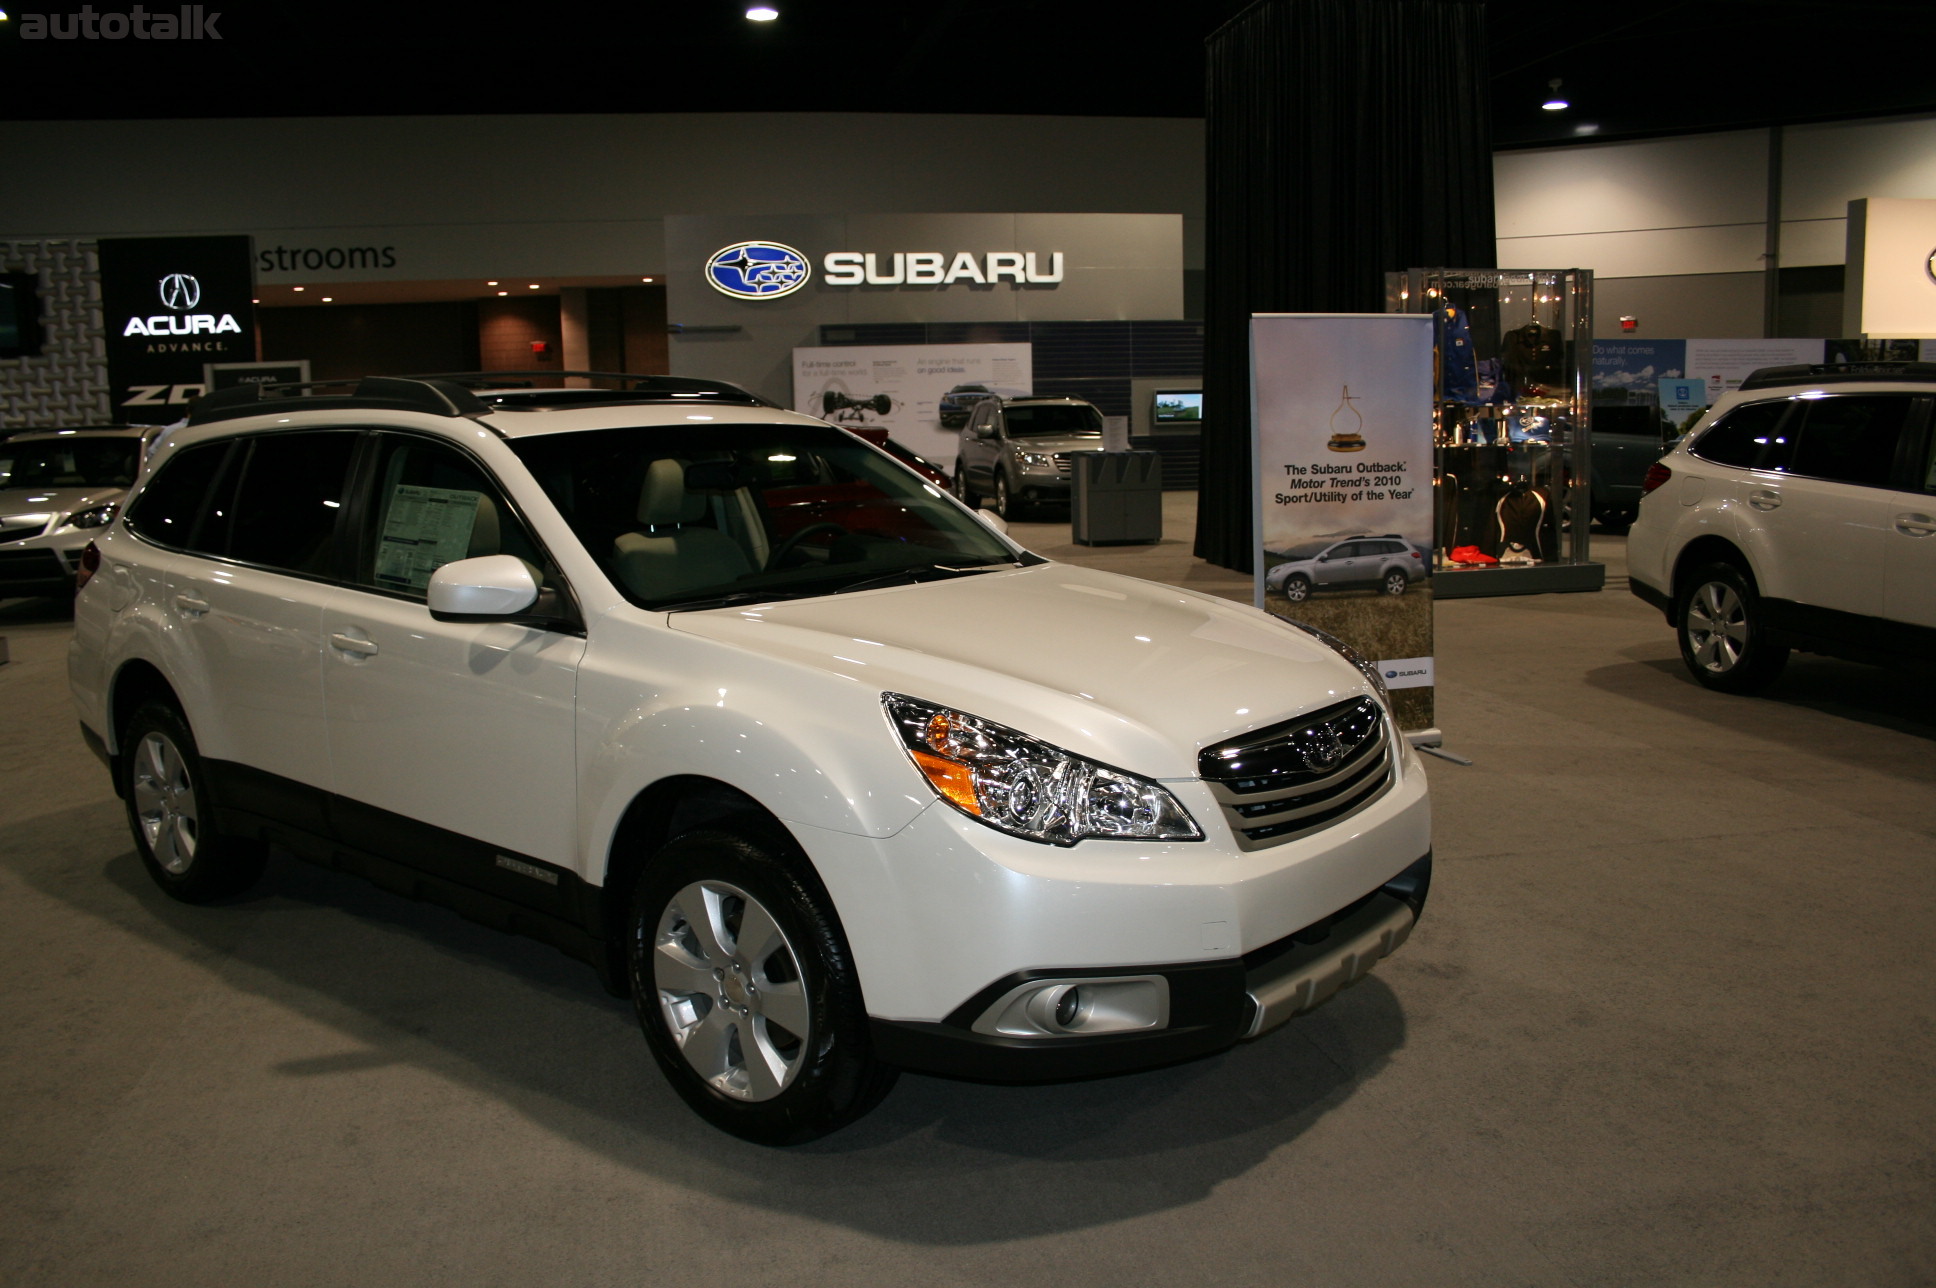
pixel 1341 442
pixel 170 306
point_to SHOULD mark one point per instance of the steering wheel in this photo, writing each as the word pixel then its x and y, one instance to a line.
pixel 792 543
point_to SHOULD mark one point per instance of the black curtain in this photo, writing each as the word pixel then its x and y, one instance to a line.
pixel 1346 138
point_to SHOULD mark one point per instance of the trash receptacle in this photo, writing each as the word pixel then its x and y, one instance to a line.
pixel 1118 498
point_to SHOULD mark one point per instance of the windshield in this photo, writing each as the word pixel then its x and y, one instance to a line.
pixel 1052 419
pixel 70 462
pixel 695 516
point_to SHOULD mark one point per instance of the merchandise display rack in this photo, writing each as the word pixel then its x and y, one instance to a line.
pixel 1511 435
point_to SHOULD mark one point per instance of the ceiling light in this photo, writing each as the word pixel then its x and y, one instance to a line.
pixel 1586 127
pixel 295 288
pixel 534 286
pixel 490 283
pixel 504 292
pixel 761 13
pixel 645 279
pixel 329 299
pixel 1555 101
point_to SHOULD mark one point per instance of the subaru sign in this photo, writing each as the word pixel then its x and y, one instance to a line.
pixel 758 270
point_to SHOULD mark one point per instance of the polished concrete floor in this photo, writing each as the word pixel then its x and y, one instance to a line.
pixel 1670 1019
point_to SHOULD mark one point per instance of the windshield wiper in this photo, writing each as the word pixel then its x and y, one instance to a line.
pixel 921 572
pixel 735 597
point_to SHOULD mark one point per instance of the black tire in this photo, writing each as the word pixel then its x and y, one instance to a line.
pixel 1297 588
pixel 964 490
pixel 1395 582
pixel 1615 518
pixel 704 995
pixel 1004 500
pixel 1724 641
pixel 172 817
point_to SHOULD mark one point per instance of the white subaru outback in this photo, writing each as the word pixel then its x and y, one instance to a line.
pixel 1800 514
pixel 812 761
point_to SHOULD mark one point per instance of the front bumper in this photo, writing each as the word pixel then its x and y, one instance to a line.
pixel 39 569
pixel 1212 1005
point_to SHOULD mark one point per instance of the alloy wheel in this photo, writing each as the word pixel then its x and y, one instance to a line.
pixel 1717 627
pixel 731 991
pixel 164 803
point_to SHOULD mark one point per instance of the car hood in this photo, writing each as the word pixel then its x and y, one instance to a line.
pixel 55 500
pixel 1058 443
pixel 1128 672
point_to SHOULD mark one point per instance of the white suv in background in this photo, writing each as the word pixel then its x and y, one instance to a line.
pixel 808 758
pixel 1799 514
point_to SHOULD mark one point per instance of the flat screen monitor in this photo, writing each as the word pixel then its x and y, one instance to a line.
pixel 19 315
pixel 1178 404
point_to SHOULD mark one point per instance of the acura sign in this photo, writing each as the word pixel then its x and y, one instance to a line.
pixel 171 306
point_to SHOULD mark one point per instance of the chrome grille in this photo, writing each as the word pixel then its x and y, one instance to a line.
pixel 18 527
pixel 1293 778
pixel 1063 465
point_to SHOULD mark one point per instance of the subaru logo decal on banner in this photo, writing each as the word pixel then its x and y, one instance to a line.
pixel 758 270
pixel 180 291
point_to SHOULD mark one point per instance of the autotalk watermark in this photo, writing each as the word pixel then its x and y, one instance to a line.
pixel 187 22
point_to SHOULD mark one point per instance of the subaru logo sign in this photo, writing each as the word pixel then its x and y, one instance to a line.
pixel 758 270
pixel 180 291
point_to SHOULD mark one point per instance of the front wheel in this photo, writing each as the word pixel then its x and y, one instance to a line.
pixel 746 990
pixel 1396 581
pixel 1297 587
pixel 1724 640
pixel 966 493
pixel 1004 501
pixel 170 814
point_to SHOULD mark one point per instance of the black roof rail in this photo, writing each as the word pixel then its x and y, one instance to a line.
pixel 372 393
pixel 634 387
pixel 1834 373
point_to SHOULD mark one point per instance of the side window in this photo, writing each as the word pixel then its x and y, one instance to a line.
pixel 289 500
pixel 432 505
pixel 170 509
pixel 1851 439
pixel 1751 437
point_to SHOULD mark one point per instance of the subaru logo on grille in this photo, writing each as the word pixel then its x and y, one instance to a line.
pixel 180 291
pixel 1323 747
pixel 758 270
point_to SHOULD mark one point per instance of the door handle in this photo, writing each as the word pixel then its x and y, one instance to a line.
pixel 1915 525
pixel 1764 499
pixel 353 645
pixel 190 605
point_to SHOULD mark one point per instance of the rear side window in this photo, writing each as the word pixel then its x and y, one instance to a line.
pixel 1851 439
pixel 290 499
pixel 171 509
pixel 1751 437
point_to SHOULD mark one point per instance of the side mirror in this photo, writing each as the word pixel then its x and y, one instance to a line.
pixel 993 520
pixel 488 588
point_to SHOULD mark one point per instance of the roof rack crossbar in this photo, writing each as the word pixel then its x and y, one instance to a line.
pixel 372 393
pixel 1830 373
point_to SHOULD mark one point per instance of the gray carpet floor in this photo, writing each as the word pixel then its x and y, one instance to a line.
pixel 1667 1020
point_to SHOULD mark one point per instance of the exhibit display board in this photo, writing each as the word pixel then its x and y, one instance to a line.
pixel 1341 443
pixel 170 306
pixel 909 389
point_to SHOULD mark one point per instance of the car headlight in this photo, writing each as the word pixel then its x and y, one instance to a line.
pixel 1038 460
pixel 98 517
pixel 1366 667
pixel 1030 788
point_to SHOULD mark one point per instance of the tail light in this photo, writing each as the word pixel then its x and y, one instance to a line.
pixel 90 564
pixel 1657 474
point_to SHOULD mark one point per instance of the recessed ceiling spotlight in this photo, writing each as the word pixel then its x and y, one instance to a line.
pixel 490 283
pixel 329 299
pixel 1586 127
pixel 645 279
pixel 761 13
pixel 1555 101
pixel 534 286
pixel 504 292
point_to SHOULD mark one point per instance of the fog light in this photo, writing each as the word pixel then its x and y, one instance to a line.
pixel 1056 1008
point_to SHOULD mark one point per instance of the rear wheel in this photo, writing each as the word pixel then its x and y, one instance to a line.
pixel 1724 639
pixel 171 816
pixel 746 990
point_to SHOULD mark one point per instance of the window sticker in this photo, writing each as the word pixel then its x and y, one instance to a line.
pixel 425 528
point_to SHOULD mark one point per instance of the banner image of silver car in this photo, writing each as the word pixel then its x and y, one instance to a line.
pixel 1342 436
pixel 758 270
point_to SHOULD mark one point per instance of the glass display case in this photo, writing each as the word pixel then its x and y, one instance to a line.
pixel 1511 432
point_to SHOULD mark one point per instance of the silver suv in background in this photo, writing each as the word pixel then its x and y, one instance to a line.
pixel 58 489
pixel 1015 451
pixel 1386 563
pixel 1799 514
